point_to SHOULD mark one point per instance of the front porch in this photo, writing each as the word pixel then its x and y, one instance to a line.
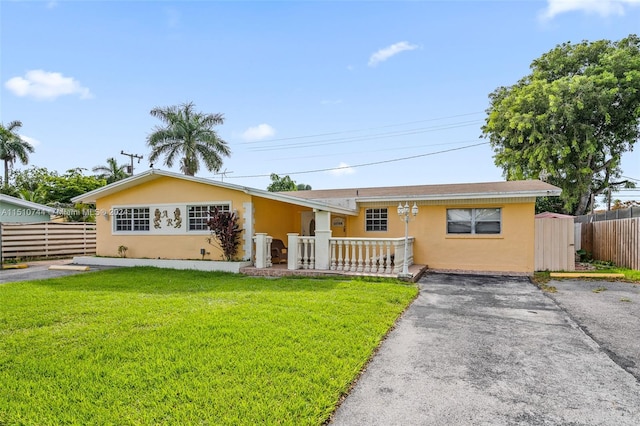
pixel 321 255
pixel 280 270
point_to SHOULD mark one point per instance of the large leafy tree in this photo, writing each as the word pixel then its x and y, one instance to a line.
pixel 571 119
pixel 281 183
pixel 13 147
pixel 51 187
pixel 285 183
pixel 187 136
pixel 112 172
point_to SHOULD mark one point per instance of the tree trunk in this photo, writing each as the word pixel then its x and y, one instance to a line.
pixel 582 206
pixel 6 173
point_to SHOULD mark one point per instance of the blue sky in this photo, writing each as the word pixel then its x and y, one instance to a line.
pixel 393 93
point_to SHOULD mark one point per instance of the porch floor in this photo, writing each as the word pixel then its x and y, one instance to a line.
pixel 280 270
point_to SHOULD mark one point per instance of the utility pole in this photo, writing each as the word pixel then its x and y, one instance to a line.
pixel 132 156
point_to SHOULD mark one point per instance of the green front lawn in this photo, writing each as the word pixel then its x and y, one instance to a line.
pixel 151 346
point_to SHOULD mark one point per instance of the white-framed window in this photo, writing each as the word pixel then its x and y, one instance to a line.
pixel 474 221
pixel 132 219
pixel 199 215
pixel 376 219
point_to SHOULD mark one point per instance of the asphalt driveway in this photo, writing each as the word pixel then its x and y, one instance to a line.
pixel 609 313
pixel 475 350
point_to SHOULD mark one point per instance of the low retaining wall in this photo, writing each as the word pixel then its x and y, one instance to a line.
pixel 198 265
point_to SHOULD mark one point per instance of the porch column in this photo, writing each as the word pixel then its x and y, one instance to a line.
pixel 247 227
pixel 292 251
pixel 323 235
pixel 261 250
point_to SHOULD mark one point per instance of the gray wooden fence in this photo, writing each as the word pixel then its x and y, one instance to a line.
pixel 47 239
pixel 616 241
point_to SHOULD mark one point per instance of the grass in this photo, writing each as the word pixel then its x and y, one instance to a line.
pixel 630 275
pixel 143 346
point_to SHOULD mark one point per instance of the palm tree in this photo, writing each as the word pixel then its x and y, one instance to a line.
pixel 187 134
pixel 39 195
pixel 112 172
pixel 13 147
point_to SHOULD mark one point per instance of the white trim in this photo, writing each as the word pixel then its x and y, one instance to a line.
pixel 152 174
pixel 199 204
pixel 198 265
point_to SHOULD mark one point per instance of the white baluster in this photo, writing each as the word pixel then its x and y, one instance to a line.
pixel 300 251
pixel 367 259
pixel 387 266
pixel 333 255
pixel 398 259
pixel 346 256
pixel 305 253
pixel 312 253
pixel 360 260
pixel 269 240
pixel 340 266
pixel 354 260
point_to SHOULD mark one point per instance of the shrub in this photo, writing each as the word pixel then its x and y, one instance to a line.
pixel 225 230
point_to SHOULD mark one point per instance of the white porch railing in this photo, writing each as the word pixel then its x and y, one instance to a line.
pixel 360 255
pixel 369 255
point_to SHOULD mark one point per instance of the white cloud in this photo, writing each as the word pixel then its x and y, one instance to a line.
pixel 33 142
pixel 342 169
pixel 600 7
pixel 384 54
pixel 51 4
pixel 41 84
pixel 259 132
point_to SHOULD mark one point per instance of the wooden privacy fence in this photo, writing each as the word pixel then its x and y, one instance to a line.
pixel 554 244
pixel 614 241
pixel 47 239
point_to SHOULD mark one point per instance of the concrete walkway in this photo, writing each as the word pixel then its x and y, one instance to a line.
pixel 39 270
pixel 475 350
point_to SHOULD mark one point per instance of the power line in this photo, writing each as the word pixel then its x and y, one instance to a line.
pixel 364 164
pixel 360 130
pixel 393 148
pixel 363 138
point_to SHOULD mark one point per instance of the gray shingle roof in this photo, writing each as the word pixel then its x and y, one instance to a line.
pixel 521 188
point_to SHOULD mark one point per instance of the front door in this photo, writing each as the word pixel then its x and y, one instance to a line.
pixel 308 223
pixel 338 226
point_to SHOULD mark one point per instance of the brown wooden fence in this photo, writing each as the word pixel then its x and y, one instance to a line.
pixel 616 241
pixel 47 239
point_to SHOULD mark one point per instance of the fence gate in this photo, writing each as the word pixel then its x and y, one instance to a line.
pixel 555 247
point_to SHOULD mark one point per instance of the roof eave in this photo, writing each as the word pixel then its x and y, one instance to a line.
pixel 92 196
pixel 467 196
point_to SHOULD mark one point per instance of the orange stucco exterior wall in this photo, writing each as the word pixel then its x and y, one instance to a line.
pixel 277 218
pixel 510 251
pixel 164 190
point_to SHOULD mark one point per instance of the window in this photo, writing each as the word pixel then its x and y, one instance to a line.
pixel 376 219
pixel 199 215
pixel 132 219
pixel 474 221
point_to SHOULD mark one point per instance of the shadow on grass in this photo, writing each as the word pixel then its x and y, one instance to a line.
pixel 167 281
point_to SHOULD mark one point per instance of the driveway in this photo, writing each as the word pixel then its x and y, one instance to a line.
pixel 609 313
pixel 474 350
pixel 39 270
